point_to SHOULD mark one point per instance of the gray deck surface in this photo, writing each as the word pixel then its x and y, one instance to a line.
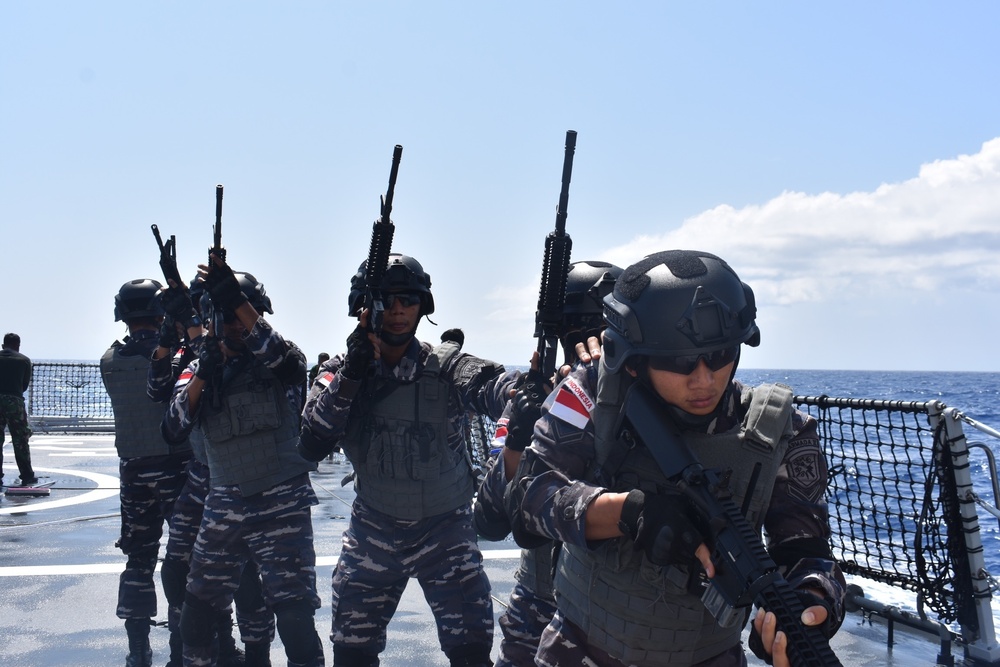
pixel 59 573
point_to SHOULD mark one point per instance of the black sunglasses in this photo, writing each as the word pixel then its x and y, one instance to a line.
pixel 685 364
pixel 405 298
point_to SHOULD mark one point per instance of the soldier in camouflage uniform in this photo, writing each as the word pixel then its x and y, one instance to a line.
pixel 151 470
pixel 629 574
pixel 15 376
pixel 245 394
pixel 255 619
pixel 532 605
pixel 396 406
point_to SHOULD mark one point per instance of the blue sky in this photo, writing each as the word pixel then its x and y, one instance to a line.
pixel 843 157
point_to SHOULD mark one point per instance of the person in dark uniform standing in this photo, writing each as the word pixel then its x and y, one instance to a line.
pixel 245 393
pixel 151 470
pixel 397 408
pixel 532 604
pixel 676 321
pixel 15 376
pixel 255 619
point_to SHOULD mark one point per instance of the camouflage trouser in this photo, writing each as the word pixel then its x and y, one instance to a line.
pixel 255 620
pixel 149 488
pixel 522 625
pixel 380 554
pixel 14 417
pixel 565 644
pixel 274 530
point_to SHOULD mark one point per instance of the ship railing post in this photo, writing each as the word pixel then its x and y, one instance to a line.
pixel 980 645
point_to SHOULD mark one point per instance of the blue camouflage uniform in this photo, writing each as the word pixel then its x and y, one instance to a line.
pixel 151 471
pixel 403 430
pixel 255 619
pixel 531 604
pixel 645 614
pixel 259 504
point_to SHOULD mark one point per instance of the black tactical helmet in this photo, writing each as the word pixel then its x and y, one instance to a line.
pixel 404 274
pixel 138 298
pixel 196 290
pixel 253 290
pixel 587 283
pixel 677 302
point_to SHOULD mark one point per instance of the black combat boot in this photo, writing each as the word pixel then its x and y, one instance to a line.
pixel 176 650
pixel 229 654
pixel 258 654
pixel 140 654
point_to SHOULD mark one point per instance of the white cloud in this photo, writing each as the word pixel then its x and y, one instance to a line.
pixel 937 231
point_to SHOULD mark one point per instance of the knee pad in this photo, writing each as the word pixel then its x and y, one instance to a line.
pixel 295 625
pixel 470 655
pixel 197 622
pixel 173 576
pixel 345 656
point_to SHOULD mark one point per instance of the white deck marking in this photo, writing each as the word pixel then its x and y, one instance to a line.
pixel 102 480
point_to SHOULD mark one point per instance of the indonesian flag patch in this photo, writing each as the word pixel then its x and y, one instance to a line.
pixel 184 378
pixel 572 404
pixel 325 379
pixel 500 435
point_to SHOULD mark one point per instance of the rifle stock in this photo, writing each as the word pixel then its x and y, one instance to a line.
pixel 744 571
pixel 555 269
pixel 379 250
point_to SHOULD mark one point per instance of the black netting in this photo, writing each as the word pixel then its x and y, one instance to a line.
pixel 890 501
pixel 68 395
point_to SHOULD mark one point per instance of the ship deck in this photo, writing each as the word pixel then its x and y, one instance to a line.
pixel 59 574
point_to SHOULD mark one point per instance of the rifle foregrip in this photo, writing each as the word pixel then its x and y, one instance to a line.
pixel 807 646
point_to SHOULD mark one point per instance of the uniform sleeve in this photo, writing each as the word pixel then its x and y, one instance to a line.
pixel 797 522
pixel 549 496
pixel 489 513
pixel 329 403
pixel 484 386
pixel 283 358
pixel 179 419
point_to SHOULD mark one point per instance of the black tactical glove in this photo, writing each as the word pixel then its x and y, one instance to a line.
pixel 312 448
pixel 168 333
pixel 222 284
pixel 210 359
pixel 659 526
pixel 525 409
pixel 360 353
pixel 177 304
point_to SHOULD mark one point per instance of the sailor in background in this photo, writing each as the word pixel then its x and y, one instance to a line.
pixel 397 407
pixel 532 604
pixel 151 471
pixel 15 376
pixel 245 393
pixel 632 554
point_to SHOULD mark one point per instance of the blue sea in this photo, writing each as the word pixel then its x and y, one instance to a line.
pixel 975 394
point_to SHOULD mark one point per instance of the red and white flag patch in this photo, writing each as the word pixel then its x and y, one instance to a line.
pixel 500 435
pixel 572 404
pixel 325 379
pixel 184 378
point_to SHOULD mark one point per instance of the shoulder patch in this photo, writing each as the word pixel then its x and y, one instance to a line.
pixel 572 404
pixel 184 378
pixel 325 379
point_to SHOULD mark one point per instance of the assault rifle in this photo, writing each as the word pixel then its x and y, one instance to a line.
pixel 555 269
pixel 168 257
pixel 217 229
pixel 216 316
pixel 378 251
pixel 744 571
